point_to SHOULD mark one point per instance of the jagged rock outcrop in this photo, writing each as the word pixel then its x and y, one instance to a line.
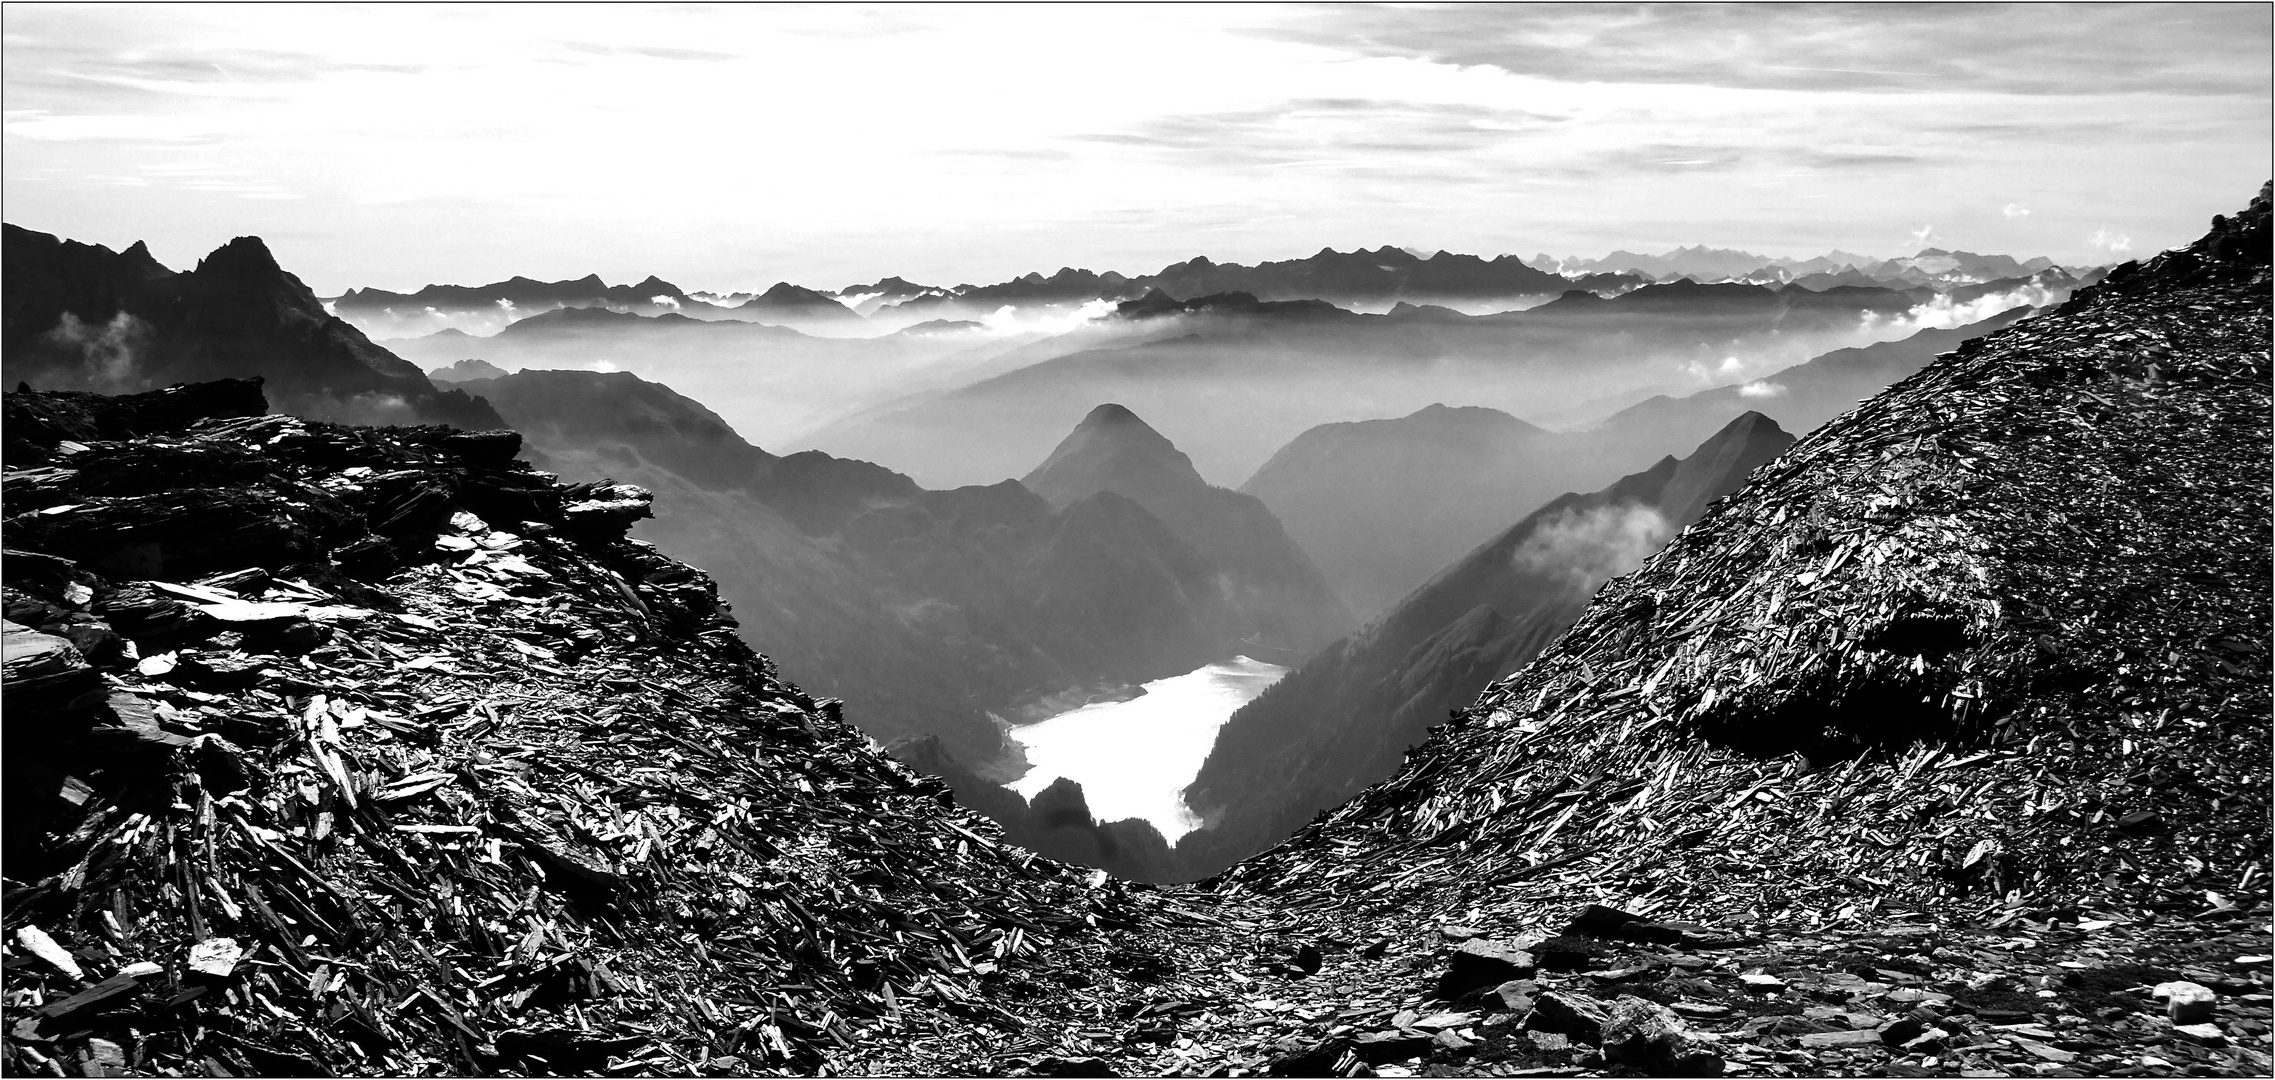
pixel 1346 717
pixel 82 317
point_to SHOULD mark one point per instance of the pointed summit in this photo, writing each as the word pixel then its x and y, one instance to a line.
pixel 239 259
pixel 1113 450
pixel 1264 573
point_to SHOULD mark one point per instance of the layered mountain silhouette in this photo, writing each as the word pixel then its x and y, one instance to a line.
pixel 1344 719
pixel 934 609
pixel 1232 378
pixel 1801 397
pixel 487 308
pixel 466 370
pixel 786 303
pixel 1291 608
pixel 771 379
pixel 1380 505
pixel 83 317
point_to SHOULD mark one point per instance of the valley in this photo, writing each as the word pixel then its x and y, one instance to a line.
pixel 1079 652
pixel 1796 707
pixel 1095 540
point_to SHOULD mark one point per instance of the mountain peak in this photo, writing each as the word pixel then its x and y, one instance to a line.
pixel 1112 450
pixel 242 257
pixel 1111 413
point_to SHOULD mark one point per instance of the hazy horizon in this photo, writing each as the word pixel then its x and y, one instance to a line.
pixel 726 149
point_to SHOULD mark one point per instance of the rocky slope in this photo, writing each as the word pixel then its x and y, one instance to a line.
pixel 337 815
pixel 1989 653
pixel 381 753
pixel 1383 504
pixel 933 609
pixel 83 317
pixel 1345 718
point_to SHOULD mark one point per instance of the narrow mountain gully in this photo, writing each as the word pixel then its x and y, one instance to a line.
pixel 1940 749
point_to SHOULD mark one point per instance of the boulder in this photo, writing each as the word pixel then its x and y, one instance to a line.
pixel 1482 963
pixel 1581 1018
pixel 2186 1002
pixel 1647 1036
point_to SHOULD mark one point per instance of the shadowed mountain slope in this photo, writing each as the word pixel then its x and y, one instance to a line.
pixel 934 610
pixel 1291 609
pixel 1345 718
pixel 82 317
pixel 586 825
pixel 1381 505
pixel 1997 640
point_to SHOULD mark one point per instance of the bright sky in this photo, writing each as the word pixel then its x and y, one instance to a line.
pixel 727 148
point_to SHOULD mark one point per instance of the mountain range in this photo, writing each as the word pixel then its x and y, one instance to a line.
pixel 940 610
pixel 1344 719
pixel 949 613
pixel 1233 378
pixel 1939 745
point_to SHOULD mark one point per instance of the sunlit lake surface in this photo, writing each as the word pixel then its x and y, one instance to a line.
pixel 1133 758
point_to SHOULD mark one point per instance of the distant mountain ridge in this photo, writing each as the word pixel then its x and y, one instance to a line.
pixel 82 317
pixel 1373 279
pixel 1381 504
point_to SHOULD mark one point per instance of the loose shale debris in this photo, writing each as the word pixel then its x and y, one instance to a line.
pixel 1941 749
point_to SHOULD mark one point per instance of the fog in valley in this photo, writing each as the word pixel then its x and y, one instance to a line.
pixel 1153 450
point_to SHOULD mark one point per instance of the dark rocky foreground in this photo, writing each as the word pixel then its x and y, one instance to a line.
pixel 1938 749
pixel 363 750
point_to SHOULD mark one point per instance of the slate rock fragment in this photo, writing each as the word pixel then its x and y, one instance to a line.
pixel 1581 1018
pixel 1645 1035
pixel 1480 963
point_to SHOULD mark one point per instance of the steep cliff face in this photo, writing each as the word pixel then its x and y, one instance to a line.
pixel 1345 718
pixel 1998 637
pixel 82 317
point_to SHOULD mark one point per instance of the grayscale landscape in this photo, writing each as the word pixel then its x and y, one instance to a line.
pixel 1050 540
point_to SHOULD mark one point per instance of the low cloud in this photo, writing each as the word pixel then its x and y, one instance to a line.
pixel 2015 210
pixel 2115 243
pixel 1944 313
pixel 1730 367
pixel 109 355
pixel 1585 548
pixel 1009 319
pixel 664 302
pixel 1762 388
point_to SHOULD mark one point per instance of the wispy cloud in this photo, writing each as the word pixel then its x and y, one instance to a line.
pixel 2080 49
pixel 393 146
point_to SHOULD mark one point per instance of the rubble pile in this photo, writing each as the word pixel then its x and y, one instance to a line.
pixel 1989 651
pixel 1995 641
pixel 355 750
